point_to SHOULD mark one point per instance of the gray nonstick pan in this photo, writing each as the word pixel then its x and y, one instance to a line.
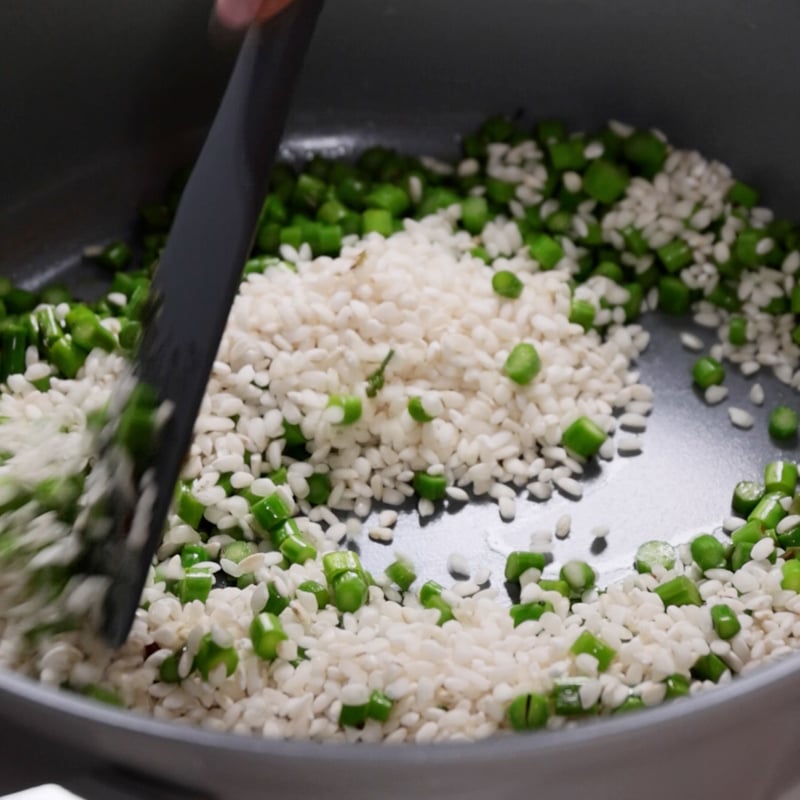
pixel 101 102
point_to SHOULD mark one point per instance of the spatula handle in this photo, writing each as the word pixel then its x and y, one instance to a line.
pixel 200 268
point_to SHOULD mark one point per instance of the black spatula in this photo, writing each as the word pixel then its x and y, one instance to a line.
pixel 198 276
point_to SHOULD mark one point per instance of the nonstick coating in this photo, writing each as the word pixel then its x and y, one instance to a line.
pixel 713 77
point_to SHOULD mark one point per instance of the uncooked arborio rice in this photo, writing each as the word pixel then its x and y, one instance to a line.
pixel 313 328
pixel 422 295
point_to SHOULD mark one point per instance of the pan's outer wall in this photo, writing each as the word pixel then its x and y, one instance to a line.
pixel 80 85
pixel 738 743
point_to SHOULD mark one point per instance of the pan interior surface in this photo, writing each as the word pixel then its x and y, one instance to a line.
pixel 680 485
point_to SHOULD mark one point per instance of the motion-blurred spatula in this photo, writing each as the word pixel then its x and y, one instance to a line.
pixel 194 286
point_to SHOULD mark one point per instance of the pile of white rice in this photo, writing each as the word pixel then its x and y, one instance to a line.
pixel 316 327
pixel 294 339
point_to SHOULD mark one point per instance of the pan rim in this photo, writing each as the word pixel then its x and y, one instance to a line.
pixel 769 679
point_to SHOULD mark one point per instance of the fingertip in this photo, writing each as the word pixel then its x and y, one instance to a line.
pixel 237 13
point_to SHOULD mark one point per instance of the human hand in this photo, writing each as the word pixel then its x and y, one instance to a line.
pixel 239 13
